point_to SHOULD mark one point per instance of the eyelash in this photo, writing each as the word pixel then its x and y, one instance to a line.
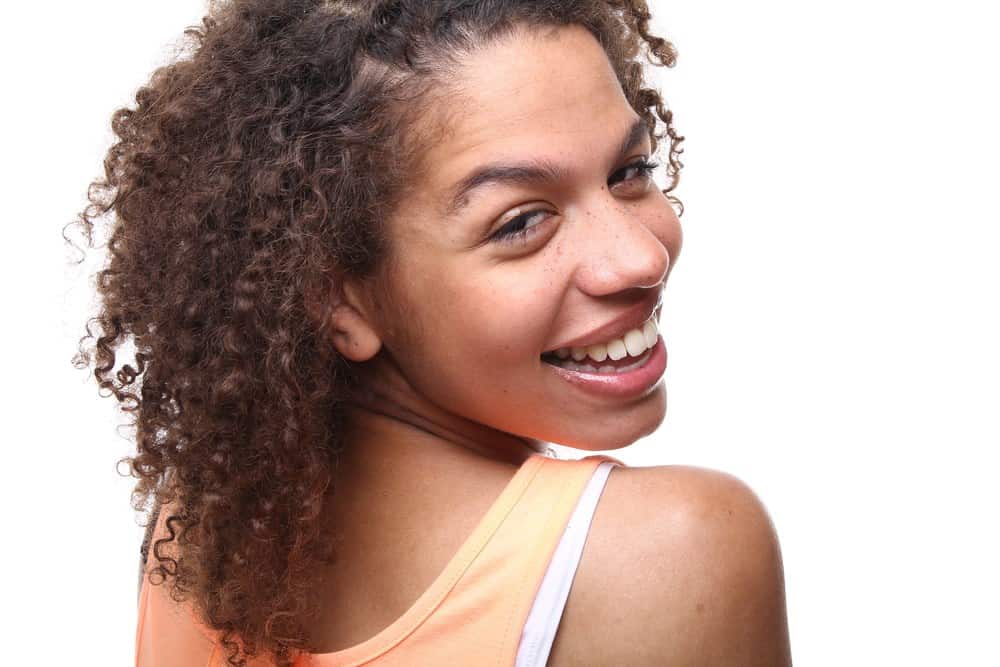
pixel 507 234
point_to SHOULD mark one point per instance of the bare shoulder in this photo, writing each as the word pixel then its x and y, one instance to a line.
pixel 682 566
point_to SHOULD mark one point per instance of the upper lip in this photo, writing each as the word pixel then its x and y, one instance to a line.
pixel 633 318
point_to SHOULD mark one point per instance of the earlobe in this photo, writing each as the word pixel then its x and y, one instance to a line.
pixel 342 314
pixel 352 334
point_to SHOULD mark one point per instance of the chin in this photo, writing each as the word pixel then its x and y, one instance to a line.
pixel 597 439
pixel 612 429
pixel 623 430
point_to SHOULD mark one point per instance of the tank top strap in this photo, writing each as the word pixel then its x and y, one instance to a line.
pixel 542 623
pixel 527 550
pixel 604 457
pixel 479 617
pixel 168 632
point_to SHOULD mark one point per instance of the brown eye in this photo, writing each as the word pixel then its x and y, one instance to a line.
pixel 642 169
pixel 517 229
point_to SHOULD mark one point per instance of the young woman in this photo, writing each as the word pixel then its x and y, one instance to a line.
pixel 372 256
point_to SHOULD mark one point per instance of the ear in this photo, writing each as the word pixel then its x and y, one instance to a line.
pixel 344 313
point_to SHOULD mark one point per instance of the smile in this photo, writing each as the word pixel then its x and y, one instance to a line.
pixel 617 355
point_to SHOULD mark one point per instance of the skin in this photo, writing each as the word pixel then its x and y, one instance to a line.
pixel 682 567
pixel 459 360
pixel 682 564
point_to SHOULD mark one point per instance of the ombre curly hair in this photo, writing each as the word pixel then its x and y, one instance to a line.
pixel 251 175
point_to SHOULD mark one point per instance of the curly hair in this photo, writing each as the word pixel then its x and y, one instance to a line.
pixel 250 175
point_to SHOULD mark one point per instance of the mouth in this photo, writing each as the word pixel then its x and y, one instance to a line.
pixel 618 354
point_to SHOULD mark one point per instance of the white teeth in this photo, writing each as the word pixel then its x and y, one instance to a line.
pixel 606 368
pixel 649 332
pixel 635 342
pixel 616 349
pixel 598 352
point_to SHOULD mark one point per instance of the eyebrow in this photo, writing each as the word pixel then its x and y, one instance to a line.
pixel 532 171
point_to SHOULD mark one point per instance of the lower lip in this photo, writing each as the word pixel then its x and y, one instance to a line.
pixel 636 382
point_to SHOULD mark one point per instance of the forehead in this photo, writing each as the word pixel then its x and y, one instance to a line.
pixel 550 94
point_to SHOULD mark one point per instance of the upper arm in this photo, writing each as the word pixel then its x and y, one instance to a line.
pixel 682 567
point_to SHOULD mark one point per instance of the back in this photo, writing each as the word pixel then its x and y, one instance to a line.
pixel 492 604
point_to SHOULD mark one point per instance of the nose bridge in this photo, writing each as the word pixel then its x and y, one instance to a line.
pixel 621 247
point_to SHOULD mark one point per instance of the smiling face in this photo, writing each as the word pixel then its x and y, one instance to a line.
pixel 533 224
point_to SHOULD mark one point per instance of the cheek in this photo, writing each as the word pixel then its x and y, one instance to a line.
pixel 478 350
pixel 487 320
pixel 502 318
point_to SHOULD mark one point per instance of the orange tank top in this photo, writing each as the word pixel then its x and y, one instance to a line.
pixel 497 601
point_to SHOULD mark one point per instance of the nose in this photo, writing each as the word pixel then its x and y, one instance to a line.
pixel 623 246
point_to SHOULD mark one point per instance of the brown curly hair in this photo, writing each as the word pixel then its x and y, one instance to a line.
pixel 251 175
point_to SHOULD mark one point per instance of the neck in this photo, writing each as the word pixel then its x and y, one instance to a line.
pixel 389 415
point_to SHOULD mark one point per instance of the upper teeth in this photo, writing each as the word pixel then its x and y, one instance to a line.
pixel 633 344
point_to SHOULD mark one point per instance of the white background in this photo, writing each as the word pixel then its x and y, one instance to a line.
pixel 832 321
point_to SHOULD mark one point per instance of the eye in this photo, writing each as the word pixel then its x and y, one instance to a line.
pixel 641 169
pixel 518 229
